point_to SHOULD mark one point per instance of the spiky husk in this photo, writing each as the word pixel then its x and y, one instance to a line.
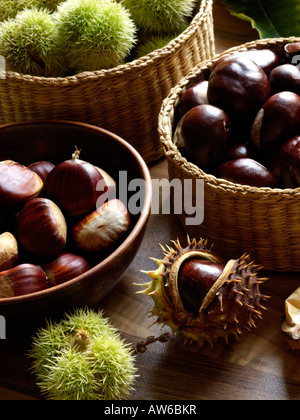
pixel 232 304
pixel 160 16
pixel 30 44
pixel 82 357
pixel 95 34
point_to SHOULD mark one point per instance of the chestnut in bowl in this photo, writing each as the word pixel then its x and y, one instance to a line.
pixel 53 141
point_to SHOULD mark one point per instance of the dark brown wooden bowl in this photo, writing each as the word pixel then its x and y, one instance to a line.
pixel 54 141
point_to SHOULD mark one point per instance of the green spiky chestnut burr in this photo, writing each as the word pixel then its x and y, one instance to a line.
pixel 10 8
pixel 152 42
pixel 82 357
pixel 30 44
pixel 96 34
pixel 197 293
pixel 160 16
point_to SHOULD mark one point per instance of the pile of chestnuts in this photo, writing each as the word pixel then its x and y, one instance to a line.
pixel 242 123
pixel 55 222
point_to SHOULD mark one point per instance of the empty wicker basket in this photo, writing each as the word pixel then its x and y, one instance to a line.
pixel 237 218
pixel 125 100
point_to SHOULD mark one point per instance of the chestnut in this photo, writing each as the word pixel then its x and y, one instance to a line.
pixel 18 184
pixel 9 253
pixel 65 267
pixel 103 228
pixel 203 133
pixel 277 121
pixel 292 52
pixel 193 96
pixel 195 279
pixel 266 59
pixel 74 186
pixel 42 168
pixel 281 162
pixel 246 171
pixel 41 229
pixel 22 280
pixel 295 165
pixel 239 87
pixel 238 150
pixel 285 77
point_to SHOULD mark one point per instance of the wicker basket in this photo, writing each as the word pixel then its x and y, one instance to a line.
pixel 125 100
pixel 237 218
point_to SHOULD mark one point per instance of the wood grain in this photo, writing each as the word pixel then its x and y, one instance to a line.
pixel 260 366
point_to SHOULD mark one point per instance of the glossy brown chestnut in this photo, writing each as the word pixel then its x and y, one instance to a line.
pixel 75 186
pixel 295 165
pixel 18 184
pixel 203 133
pixel 285 77
pixel 9 253
pixel 41 229
pixel 193 96
pixel 102 228
pixel 292 52
pixel 266 59
pixel 65 267
pixel 42 168
pixel 239 87
pixel 246 171
pixel 22 280
pixel 281 162
pixel 277 121
pixel 195 278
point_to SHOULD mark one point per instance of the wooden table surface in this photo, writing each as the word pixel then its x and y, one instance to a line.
pixel 260 366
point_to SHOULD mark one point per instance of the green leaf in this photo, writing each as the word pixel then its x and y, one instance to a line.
pixel 271 18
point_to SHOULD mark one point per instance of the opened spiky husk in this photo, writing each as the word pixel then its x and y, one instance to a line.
pixel 232 304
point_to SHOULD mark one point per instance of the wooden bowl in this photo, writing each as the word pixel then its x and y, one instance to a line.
pixel 54 141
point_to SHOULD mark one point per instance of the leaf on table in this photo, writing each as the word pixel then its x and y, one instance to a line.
pixel 271 18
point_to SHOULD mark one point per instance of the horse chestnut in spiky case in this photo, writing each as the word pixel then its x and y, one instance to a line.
pixel 227 304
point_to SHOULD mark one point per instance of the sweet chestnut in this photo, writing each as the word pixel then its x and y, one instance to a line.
pixel 203 132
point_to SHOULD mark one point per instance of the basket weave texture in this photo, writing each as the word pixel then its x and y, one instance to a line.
pixel 125 100
pixel 237 219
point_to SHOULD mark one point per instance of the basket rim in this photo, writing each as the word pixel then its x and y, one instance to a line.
pixel 173 154
pixel 137 64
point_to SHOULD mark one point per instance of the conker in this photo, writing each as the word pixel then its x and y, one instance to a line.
pixel 295 165
pixel 266 59
pixel 41 229
pixel 203 133
pixel 195 278
pixel 281 162
pixel 285 78
pixel 277 121
pixel 246 171
pixel 193 96
pixel 239 87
